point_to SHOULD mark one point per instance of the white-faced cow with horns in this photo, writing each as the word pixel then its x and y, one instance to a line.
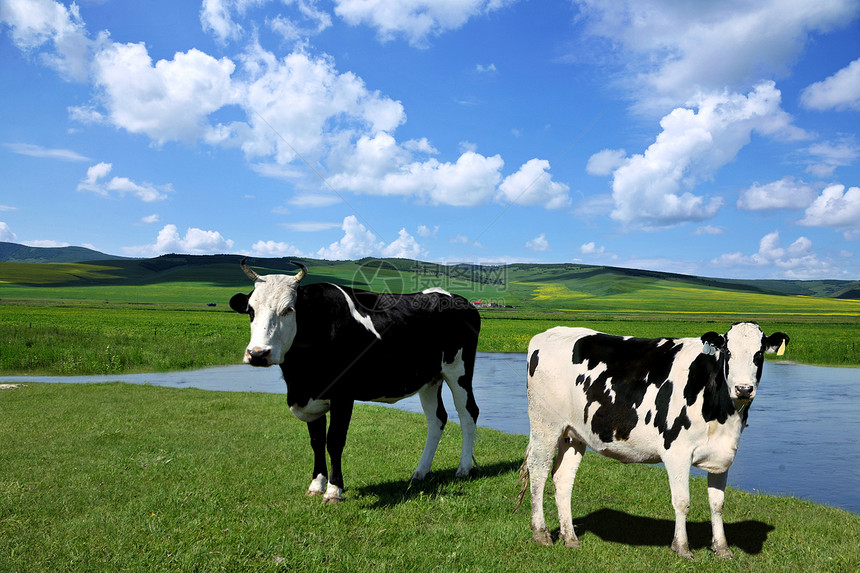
pixel 680 401
pixel 336 345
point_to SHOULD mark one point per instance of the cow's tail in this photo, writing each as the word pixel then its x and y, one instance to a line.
pixel 523 479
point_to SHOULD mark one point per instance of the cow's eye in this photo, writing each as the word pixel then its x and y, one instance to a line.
pixel 288 310
pixel 758 358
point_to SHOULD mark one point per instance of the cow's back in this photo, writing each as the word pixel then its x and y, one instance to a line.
pixel 622 397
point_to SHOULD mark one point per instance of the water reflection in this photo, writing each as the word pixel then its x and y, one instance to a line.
pixel 801 439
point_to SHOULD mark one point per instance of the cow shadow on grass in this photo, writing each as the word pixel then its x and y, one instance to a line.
pixel 620 527
pixel 438 482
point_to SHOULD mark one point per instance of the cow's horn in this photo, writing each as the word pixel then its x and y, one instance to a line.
pixel 303 271
pixel 252 274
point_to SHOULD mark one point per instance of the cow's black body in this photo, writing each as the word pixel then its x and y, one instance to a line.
pixel 342 344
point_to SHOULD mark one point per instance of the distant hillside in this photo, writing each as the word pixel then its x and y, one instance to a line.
pixel 515 283
pixel 15 253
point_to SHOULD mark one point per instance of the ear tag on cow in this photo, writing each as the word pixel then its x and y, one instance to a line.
pixel 709 349
pixel 781 350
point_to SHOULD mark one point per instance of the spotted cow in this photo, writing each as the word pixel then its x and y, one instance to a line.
pixel 680 401
pixel 336 345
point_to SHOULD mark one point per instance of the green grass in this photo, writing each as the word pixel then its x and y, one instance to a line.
pixel 116 477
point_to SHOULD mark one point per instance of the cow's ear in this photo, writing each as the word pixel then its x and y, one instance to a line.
pixel 239 303
pixel 712 342
pixel 776 343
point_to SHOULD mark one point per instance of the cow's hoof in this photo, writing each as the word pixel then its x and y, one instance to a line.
pixel 332 500
pixel 463 472
pixel 723 552
pixel 312 492
pixel 571 542
pixel 333 494
pixel 418 475
pixel 542 537
pixel 682 550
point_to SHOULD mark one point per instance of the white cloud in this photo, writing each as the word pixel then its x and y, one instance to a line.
pixel 6 233
pixel 415 20
pixel 591 248
pixel 797 261
pixel 827 156
pixel 538 244
pixel 606 161
pixel 46 243
pixel 836 207
pixel 358 242
pixel 426 232
pixel 8 208
pixel 404 247
pixel 274 249
pixel 44 152
pixel 533 185
pixel 35 23
pixel 121 185
pixel 149 219
pixel 652 189
pixel 670 49
pixel 314 200
pixel 167 101
pixel 378 165
pixel 195 242
pixel 709 230
pixel 783 194
pixel 840 91
pixel 480 68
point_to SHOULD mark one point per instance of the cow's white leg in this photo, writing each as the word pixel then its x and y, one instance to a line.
pixel 434 411
pixel 539 462
pixel 563 474
pixel 454 373
pixel 716 496
pixel 679 483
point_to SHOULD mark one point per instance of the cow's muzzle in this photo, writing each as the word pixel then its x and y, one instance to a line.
pixel 258 356
pixel 744 391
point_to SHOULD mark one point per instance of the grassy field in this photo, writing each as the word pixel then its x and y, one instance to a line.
pixel 115 477
pixel 152 315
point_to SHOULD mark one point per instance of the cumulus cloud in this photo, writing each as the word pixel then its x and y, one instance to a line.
pixel 836 207
pixel 426 232
pixel 653 189
pixel 195 242
pixel 53 31
pixel 672 49
pixel 274 249
pixel 826 156
pixel 709 230
pixel 414 20
pixel 591 248
pixel 533 185
pixel 538 244
pixel 797 261
pixel 841 91
pixel 95 182
pixel 358 242
pixel 149 219
pixel 44 152
pixel 605 162
pixel 787 193
pixel 6 233
pixel 168 100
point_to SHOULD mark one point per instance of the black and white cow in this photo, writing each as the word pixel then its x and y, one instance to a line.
pixel 336 345
pixel 679 401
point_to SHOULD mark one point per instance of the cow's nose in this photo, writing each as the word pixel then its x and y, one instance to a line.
pixel 744 391
pixel 259 356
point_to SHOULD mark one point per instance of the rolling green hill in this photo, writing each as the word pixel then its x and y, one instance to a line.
pixel 556 287
pixel 15 253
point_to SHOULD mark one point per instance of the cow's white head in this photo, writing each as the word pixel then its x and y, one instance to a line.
pixel 272 308
pixel 740 355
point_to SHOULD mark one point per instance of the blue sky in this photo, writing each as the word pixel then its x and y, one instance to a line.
pixel 708 138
